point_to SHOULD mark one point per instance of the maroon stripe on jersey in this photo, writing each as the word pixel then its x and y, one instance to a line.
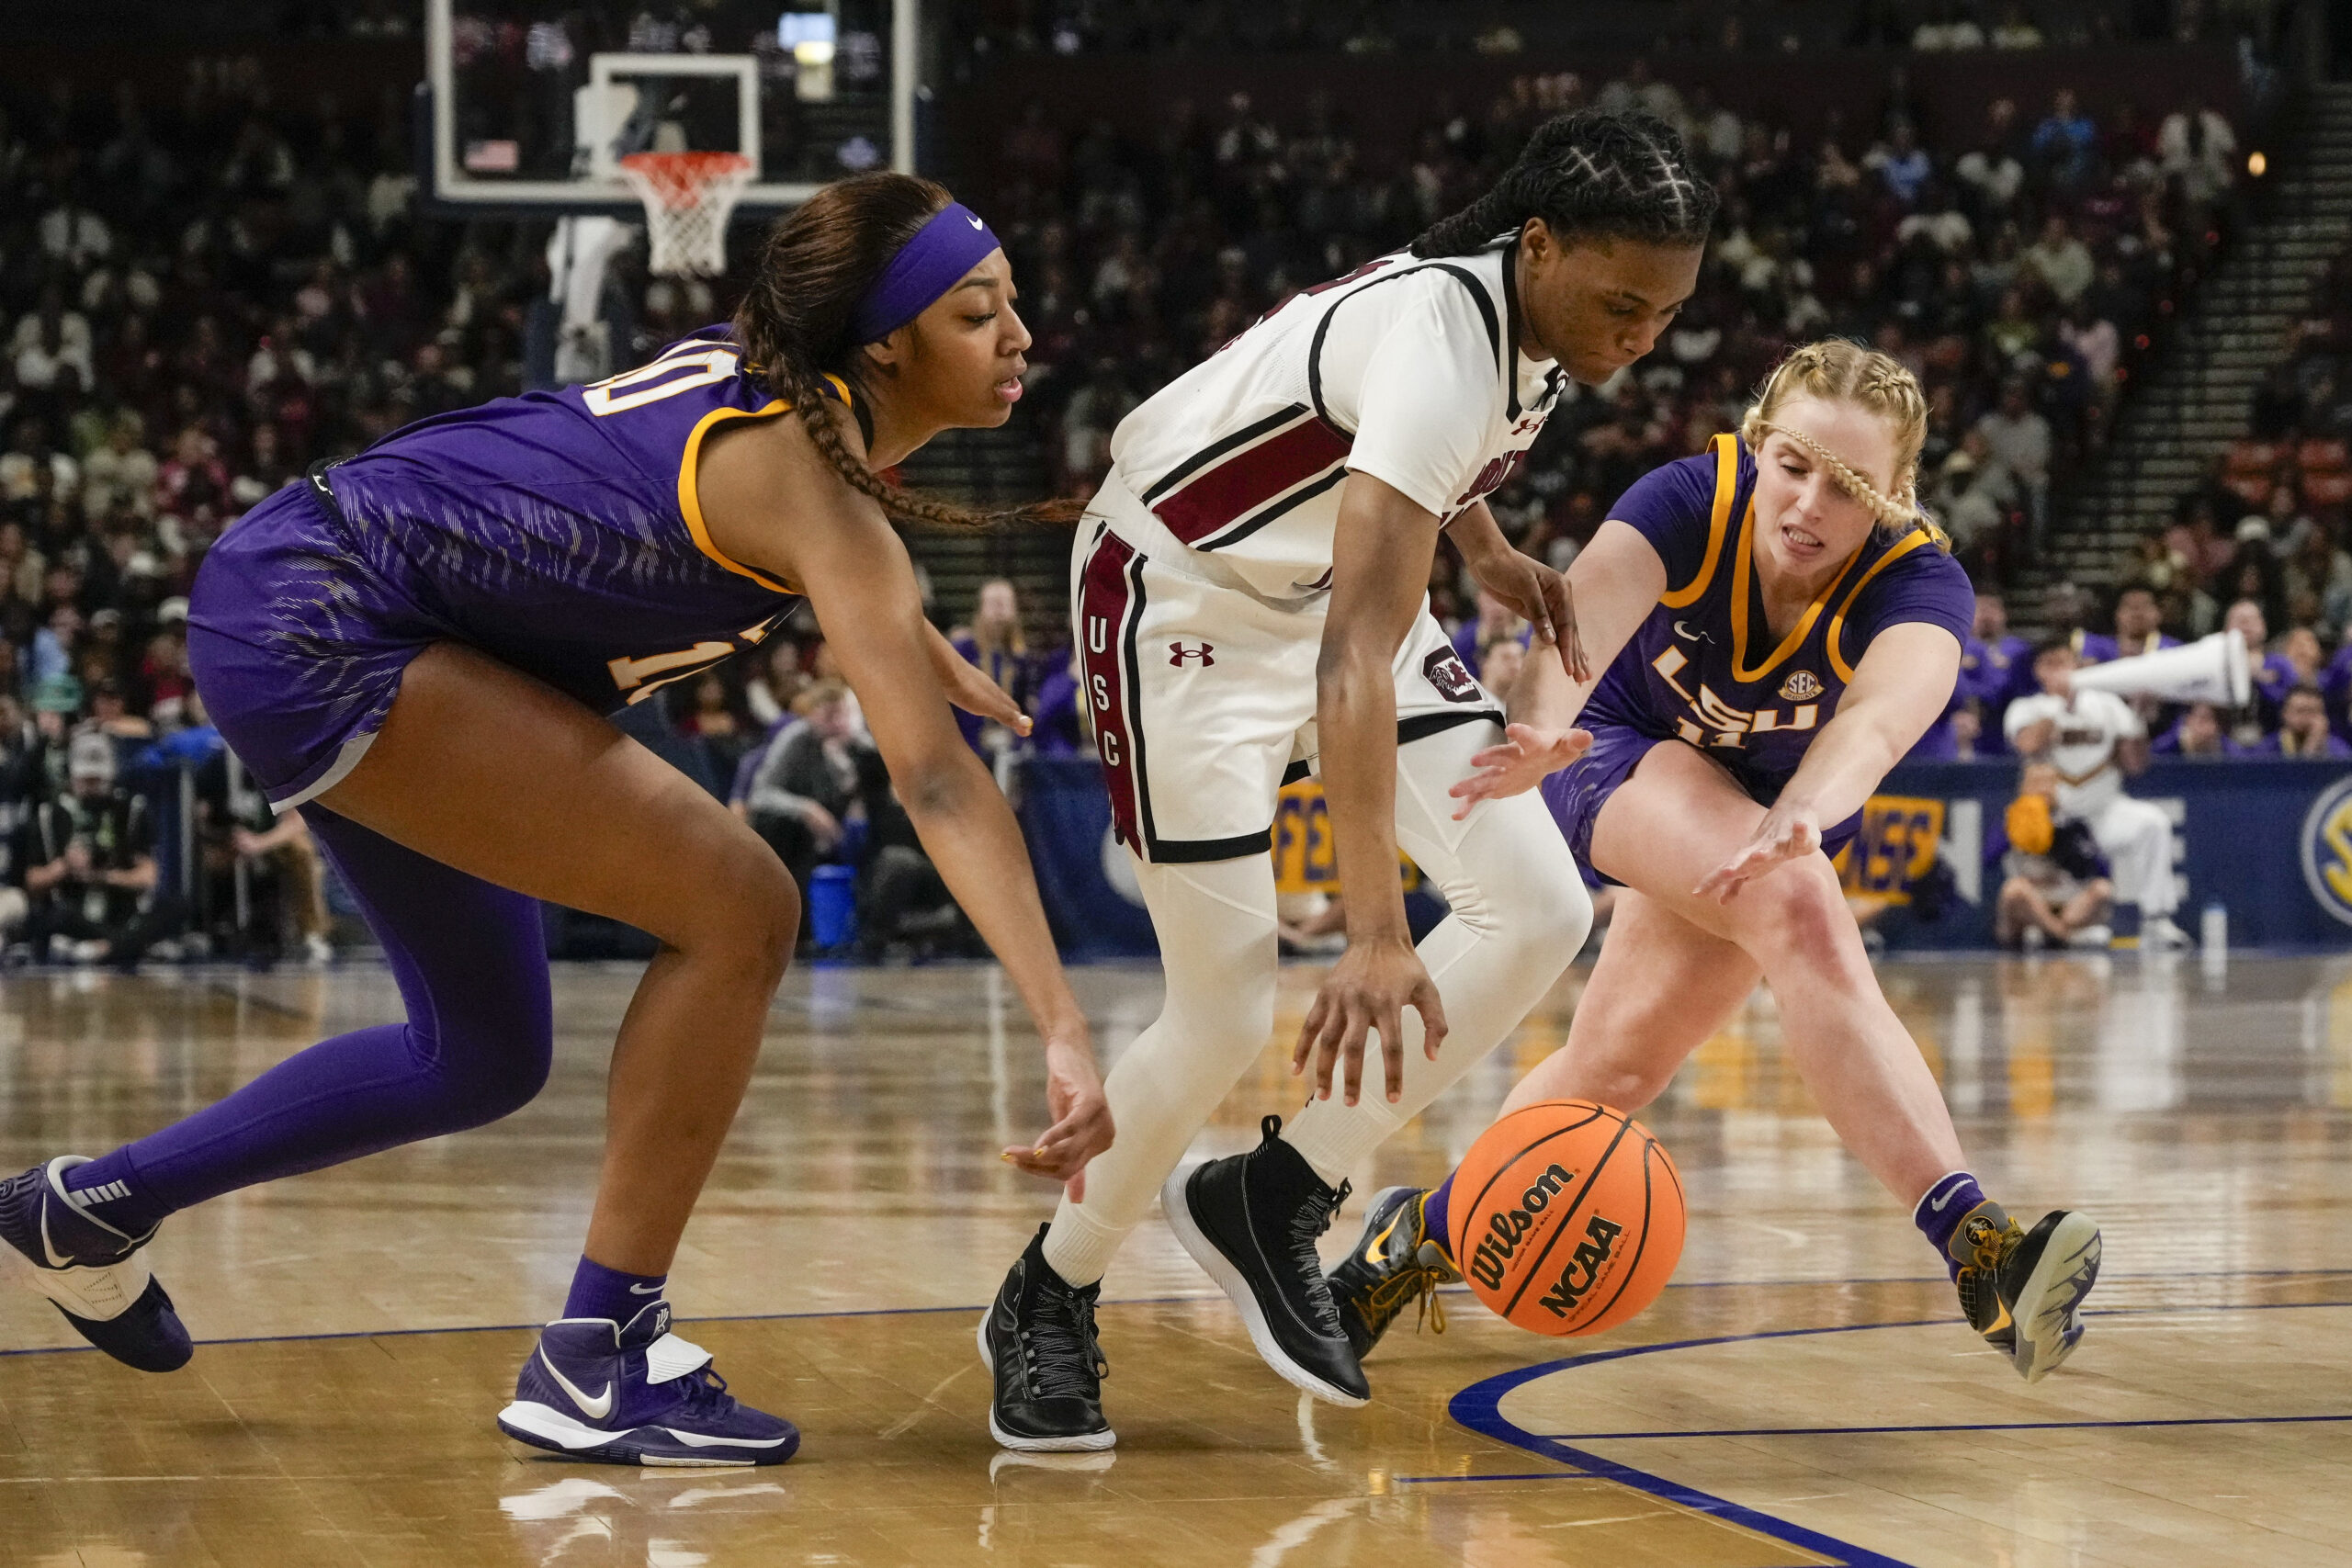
pixel 1248 479
pixel 1107 601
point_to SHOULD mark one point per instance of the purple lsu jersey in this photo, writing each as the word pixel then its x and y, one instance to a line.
pixel 1702 668
pixel 558 532
pixel 561 533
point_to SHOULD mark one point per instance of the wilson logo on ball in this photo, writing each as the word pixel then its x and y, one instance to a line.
pixel 1504 1230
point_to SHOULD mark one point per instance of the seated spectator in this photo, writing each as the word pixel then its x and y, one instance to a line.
pixel 2054 888
pixel 122 471
pixel 90 867
pixel 2096 740
pixel 807 783
pixel 1967 509
pixel 782 678
pixel 996 643
pixel 2060 260
pixel 2302 727
pixel 1995 667
pixel 2015 28
pixel 720 721
pixel 2138 627
pixel 1502 661
pixel 902 902
pixel 2197 147
pixel 2065 143
pixel 2198 734
pixel 1493 622
pixel 2274 676
pixel 283 904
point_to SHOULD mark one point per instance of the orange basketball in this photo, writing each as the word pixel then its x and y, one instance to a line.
pixel 1567 1217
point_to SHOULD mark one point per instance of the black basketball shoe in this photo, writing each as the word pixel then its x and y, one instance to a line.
pixel 1396 1263
pixel 1038 1340
pixel 2023 1290
pixel 1252 1221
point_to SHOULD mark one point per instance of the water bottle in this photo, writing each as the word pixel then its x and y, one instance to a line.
pixel 2215 931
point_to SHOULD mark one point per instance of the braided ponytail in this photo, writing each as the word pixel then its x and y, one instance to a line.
pixel 1589 176
pixel 795 324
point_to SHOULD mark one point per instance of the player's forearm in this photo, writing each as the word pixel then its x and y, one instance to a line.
pixel 1355 721
pixel 1843 769
pixel 970 833
pixel 1546 696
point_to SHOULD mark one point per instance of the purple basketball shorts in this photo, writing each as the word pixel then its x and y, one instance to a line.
pixel 1577 791
pixel 297 646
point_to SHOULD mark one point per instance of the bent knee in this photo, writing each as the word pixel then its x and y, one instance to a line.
pixel 1799 910
pixel 484 1068
pixel 745 915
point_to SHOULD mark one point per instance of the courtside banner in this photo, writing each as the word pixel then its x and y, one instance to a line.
pixel 2268 838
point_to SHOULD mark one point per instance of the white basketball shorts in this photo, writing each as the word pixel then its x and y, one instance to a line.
pixel 1202 696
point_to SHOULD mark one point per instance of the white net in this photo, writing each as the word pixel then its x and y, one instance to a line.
pixel 688 198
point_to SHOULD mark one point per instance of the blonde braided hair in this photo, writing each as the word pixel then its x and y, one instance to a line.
pixel 1837 370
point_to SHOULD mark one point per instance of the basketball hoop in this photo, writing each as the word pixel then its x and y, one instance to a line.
pixel 688 198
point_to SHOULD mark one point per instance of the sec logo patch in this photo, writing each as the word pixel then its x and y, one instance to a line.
pixel 1801 687
pixel 2327 850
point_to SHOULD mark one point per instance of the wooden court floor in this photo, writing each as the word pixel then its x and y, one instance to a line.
pixel 1804 1393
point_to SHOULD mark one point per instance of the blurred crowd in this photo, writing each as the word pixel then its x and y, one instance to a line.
pixel 2023 264
pixel 1684 26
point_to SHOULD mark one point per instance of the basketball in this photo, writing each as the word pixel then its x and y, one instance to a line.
pixel 1567 1217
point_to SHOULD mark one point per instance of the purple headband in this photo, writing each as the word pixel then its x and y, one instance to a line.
pixel 927 266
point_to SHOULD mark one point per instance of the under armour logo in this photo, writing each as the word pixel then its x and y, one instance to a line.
pixel 1205 652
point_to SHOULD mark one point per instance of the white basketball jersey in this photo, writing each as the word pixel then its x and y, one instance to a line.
pixel 2083 749
pixel 1405 369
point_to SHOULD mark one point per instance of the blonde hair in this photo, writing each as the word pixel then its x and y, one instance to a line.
pixel 1837 370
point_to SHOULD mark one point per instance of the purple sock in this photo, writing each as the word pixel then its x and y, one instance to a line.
pixel 1437 1218
pixel 471 962
pixel 1949 1201
pixel 110 1192
pixel 599 1292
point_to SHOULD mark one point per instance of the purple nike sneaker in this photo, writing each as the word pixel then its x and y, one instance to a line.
pixel 91 1271
pixel 595 1391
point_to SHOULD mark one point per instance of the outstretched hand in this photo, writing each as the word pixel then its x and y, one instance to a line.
pixel 970 688
pixel 1519 764
pixel 1081 1113
pixel 1367 993
pixel 1787 833
pixel 1540 597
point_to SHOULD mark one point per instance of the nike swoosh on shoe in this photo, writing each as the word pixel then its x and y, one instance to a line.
pixel 595 1409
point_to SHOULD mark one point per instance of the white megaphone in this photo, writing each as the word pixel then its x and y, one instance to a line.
pixel 2211 669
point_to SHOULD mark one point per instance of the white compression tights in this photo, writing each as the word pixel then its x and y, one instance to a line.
pixel 1520 913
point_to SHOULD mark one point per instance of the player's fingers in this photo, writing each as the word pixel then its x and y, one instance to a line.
pixel 1392 1052
pixel 1578 742
pixel 1328 1041
pixel 1308 1032
pixel 1432 1011
pixel 1353 1073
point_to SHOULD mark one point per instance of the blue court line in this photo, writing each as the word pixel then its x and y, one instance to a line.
pixel 1954 1426
pixel 1479 1408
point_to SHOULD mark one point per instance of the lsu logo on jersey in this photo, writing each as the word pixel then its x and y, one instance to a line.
pixel 2327 850
pixel 1715 722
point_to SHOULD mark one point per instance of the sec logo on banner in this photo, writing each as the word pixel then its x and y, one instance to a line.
pixel 2327 850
